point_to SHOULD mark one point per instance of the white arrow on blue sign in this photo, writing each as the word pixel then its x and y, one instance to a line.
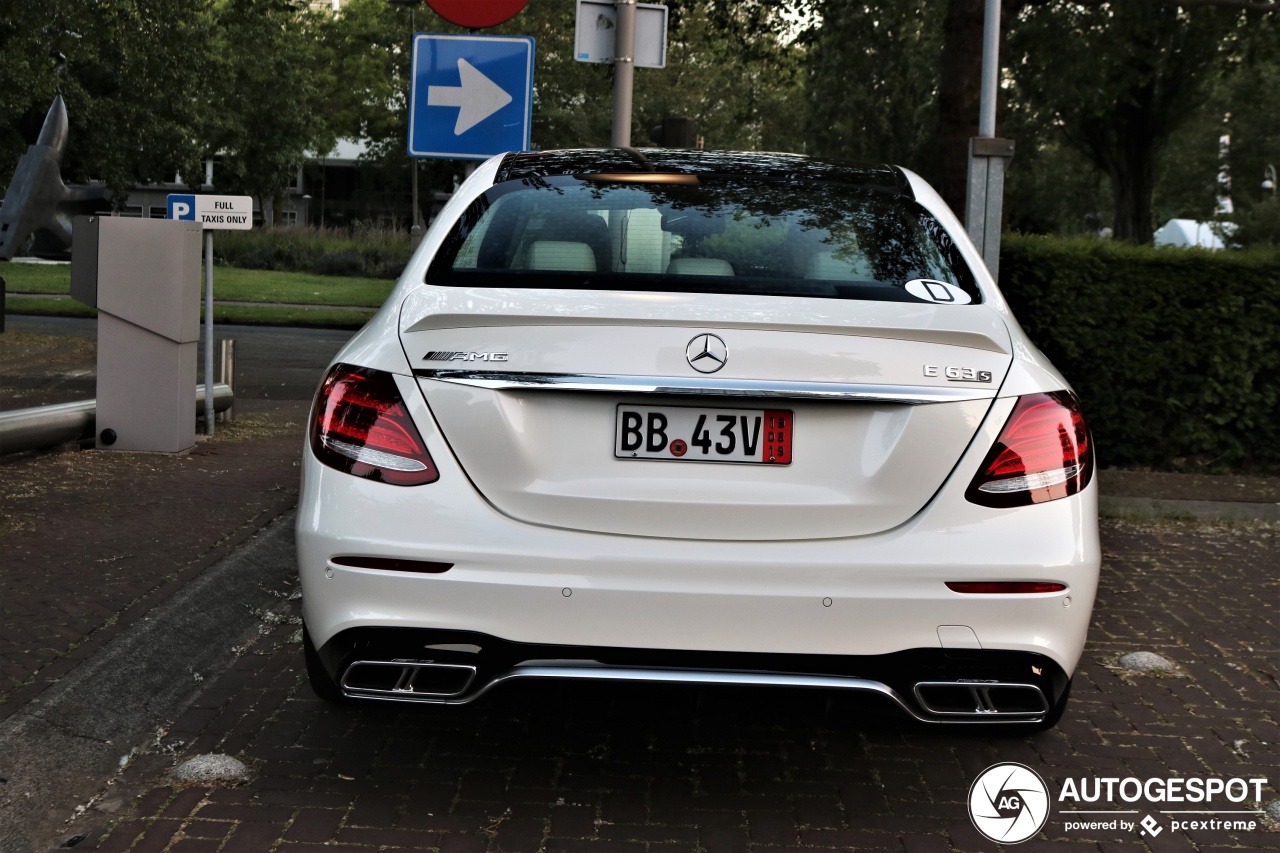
pixel 470 97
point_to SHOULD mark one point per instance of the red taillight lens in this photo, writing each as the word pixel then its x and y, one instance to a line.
pixel 1043 453
pixel 361 426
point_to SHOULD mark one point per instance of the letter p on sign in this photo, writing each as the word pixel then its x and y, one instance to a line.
pixel 182 207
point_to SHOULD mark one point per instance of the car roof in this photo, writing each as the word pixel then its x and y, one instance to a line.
pixel 678 161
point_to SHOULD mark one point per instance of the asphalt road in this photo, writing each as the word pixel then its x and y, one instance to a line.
pixel 272 363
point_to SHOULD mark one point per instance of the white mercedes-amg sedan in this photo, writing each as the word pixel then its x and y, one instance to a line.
pixel 705 418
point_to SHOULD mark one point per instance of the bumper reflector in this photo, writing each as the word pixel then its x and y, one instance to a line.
pixel 1004 587
pixel 387 564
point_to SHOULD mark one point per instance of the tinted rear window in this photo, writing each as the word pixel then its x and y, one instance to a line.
pixel 705 233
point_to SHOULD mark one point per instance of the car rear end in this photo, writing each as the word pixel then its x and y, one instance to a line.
pixel 698 418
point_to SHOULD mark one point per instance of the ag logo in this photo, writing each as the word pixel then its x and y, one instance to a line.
pixel 1009 803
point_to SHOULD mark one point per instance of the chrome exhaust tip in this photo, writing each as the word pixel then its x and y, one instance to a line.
pixel 975 699
pixel 405 679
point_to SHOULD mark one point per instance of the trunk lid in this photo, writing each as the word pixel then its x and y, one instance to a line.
pixel 530 389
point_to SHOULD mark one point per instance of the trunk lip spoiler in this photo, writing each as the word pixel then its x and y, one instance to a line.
pixel 911 395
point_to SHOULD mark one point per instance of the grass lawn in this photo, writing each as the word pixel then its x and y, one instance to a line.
pixel 251 315
pixel 229 284
pixel 36 278
pixel 234 284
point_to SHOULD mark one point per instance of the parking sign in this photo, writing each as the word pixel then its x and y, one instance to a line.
pixel 213 212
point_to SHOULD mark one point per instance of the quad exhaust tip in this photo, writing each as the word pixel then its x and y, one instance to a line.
pixel 406 679
pixel 435 682
pixel 988 699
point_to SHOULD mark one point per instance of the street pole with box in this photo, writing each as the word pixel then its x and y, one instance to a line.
pixel 212 213
pixel 143 276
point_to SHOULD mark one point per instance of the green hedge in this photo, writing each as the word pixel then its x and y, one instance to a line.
pixel 359 253
pixel 1175 353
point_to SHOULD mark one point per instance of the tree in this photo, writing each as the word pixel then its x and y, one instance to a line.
pixel 873 73
pixel 1249 116
pixel 26 77
pixel 131 72
pixel 269 96
pixel 1137 71
pixel 1107 81
pixel 729 68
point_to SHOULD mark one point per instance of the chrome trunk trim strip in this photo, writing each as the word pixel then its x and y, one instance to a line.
pixel 910 395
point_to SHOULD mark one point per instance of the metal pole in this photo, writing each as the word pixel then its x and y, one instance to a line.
pixel 45 426
pixel 208 332
pixel 624 71
pixel 416 229
pixel 988 155
pixel 990 69
pixel 227 374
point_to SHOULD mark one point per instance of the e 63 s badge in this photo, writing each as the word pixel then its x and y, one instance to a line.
pixel 957 374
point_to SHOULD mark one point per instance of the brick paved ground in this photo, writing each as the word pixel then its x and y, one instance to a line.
pixel 127 530
pixel 577 768
pixel 41 369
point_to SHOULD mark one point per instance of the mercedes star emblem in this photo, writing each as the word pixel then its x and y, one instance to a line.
pixel 706 353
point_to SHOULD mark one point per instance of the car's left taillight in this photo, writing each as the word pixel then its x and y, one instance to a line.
pixel 1043 453
pixel 360 425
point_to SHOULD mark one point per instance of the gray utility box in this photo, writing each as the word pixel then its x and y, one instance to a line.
pixel 143 276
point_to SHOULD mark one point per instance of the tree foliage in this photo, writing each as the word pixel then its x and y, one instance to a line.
pixel 267 95
pixel 1116 107
pixel 1117 80
pixel 730 68
pixel 153 87
pixel 1113 105
pixel 873 84
pixel 131 79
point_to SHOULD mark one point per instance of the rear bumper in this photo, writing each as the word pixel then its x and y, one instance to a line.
pixel 868 596
pixel 930 685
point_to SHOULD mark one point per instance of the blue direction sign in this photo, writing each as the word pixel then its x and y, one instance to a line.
pixel 470 97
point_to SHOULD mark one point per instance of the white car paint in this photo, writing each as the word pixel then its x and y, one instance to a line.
pixel 553 545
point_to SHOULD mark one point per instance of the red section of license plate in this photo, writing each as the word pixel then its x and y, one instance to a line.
pixel 777 438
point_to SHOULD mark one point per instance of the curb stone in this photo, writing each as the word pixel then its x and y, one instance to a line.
pixel 1116 507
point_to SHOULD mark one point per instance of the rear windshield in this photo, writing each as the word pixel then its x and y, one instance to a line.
pixel 702 234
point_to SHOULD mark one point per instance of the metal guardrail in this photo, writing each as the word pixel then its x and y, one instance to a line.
pixel 46 426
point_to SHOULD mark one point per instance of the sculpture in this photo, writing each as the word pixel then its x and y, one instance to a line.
pixel 38 202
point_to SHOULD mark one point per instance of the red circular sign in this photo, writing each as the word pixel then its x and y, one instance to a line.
pixel 477 13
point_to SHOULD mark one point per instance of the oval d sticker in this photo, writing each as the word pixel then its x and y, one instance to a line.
pixel 937 291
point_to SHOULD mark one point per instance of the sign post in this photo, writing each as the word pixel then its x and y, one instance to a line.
pixel 214 213
pixel 595 33
pixel 988 156
pixel 628 34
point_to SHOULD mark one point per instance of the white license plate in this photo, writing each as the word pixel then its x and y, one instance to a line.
pixel 689 434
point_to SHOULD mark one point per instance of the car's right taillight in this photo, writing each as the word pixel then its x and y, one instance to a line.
pixel 361 425
pixel 1043 453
